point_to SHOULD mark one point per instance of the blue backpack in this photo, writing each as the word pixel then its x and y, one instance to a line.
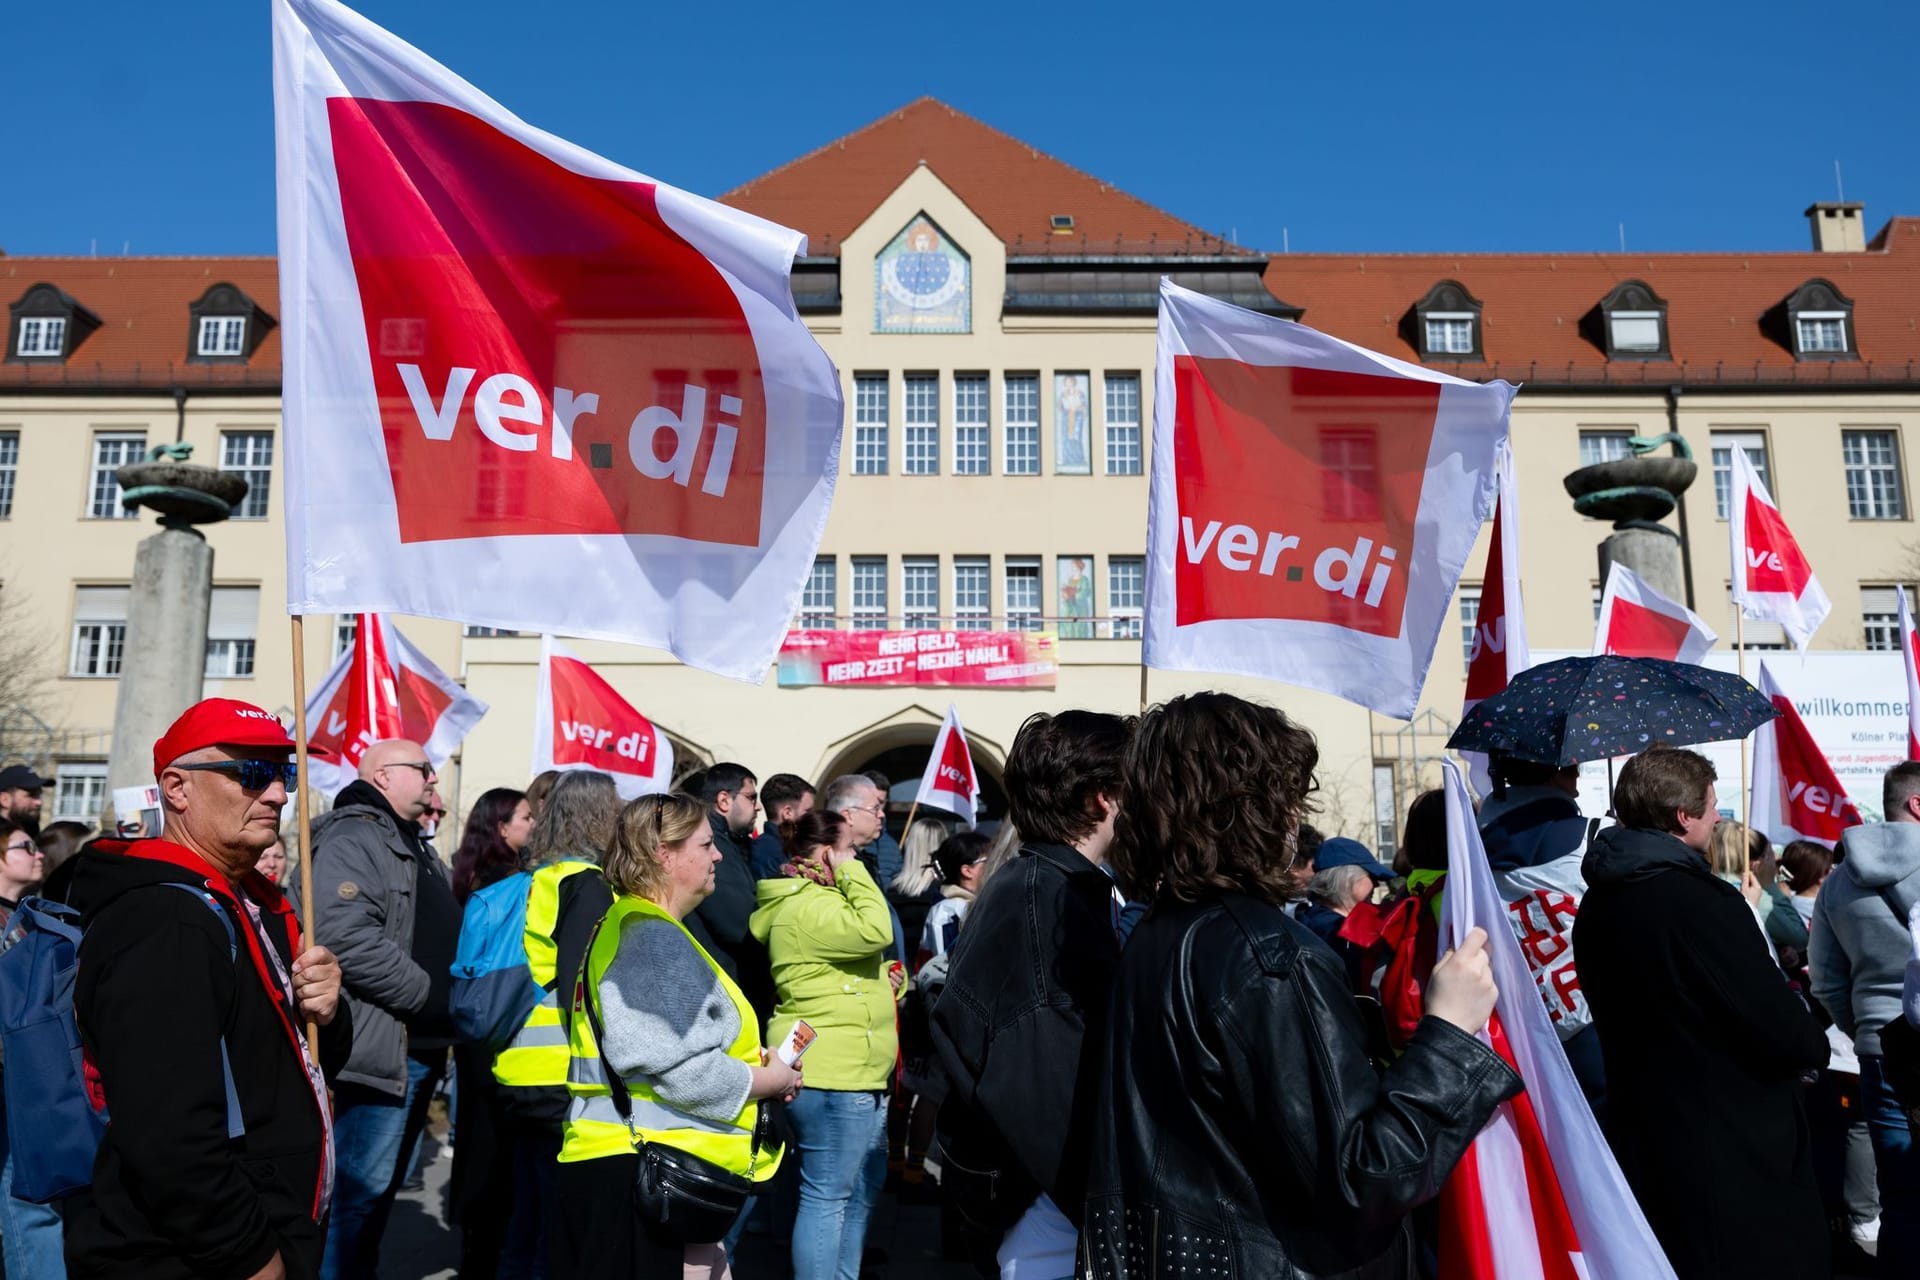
pixel 493 989
pixel 53 1128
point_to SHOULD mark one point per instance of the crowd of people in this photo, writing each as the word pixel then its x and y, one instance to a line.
pixel 1151 1025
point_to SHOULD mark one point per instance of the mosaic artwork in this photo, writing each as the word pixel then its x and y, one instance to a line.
pixel 922 283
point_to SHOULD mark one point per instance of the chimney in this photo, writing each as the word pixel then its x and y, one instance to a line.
pixel 1838 226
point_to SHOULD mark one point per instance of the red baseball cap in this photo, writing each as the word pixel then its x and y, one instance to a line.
pixel 219 722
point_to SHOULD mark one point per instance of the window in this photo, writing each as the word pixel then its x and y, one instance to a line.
pixel 222 336
pixel 1023 424
pixel 923 424
pixel 820 597
pixel 9 465
pixel 232 622
pixel 472 632
pixel 1023 593
pixel 1724 443
pixel 972 594
pixel 249 454
pixel 1123 424
pixel 79 792
pixel 1635 330
pixel 1873 475
pixel 1761 636
pixel 112 450
pixel 871 422
pixel 1126 596
pixel 1350 476
pixel 1821 331
pixel 42 337
pixel 1469 620
pixel 345 625
pixel 920 592
pixel 1880 617
pixel 869 593
pixel 1635 322
pixel 1604 446
pixel 1450 333
pixel 970 426
pixel 1599 598
pixel 99 631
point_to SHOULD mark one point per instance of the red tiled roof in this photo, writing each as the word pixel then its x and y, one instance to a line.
pixel 144 332
pixel 1013 188
pixel 1534 303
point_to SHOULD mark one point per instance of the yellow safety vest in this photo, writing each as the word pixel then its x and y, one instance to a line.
pixel 594 1127
pixel 537 1054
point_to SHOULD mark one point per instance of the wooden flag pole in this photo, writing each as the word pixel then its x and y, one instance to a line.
pixel 300 806
pixel 1740 644
pixel 1143 686
pixel 911 810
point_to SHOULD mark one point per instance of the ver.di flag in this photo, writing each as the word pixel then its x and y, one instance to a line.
pixel 525 386
pixel 1538 1195
pixel 1499 649
pixel 1796 795
pixel 1909 647
pixel 950 782
pixel 580 722
pixel 1637 621
pixel 1771 577
pixel 382 687
pixel 1312 503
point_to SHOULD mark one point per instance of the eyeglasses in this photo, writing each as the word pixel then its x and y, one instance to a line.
pixel 254 775
pixel 29 848
pixel 424 766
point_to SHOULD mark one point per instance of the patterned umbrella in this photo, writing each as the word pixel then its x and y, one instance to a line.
pixel 1597 708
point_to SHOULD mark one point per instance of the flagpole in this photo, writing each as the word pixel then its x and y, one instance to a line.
pixel 1740 645
pixel 911 810
pixel 1143 686
pixel 301 808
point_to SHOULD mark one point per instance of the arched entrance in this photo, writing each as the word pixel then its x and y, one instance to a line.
pixel 901 748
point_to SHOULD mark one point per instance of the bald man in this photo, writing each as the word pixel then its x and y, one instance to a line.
pixel 384 904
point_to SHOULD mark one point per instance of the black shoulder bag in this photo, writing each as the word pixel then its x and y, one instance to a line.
pixel 681 1197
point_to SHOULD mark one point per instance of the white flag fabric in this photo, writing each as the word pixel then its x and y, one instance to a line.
pixel 1771 577
pixel 525 386
pixel 950 782
pixel 1637 621
pixel 580 722
pixel 1909 647
pixel 1499 651
pixel 383 687
pixel 1796 794
pixel 1312 503
pixel 1538 1195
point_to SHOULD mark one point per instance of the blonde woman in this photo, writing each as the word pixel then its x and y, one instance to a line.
pixel 916 889
pixel 683 1041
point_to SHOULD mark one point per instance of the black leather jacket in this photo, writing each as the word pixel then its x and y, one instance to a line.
pixel 1246 1132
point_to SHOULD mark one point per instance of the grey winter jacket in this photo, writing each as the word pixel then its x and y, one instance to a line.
pixel 364 871
pixel 1859 942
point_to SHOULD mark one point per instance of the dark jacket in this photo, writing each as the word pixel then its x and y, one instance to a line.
pixel 1244 1130
pixel 172 1195
pixel 1030 977
pixel 719 924
pixel 365 860
pixel 1705 1046
pixel 910 910
pixel 1528 826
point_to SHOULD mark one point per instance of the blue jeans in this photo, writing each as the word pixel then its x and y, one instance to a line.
pixel 842 1137
pixel 372 1131
pixel 1898 1166
pixel 30 1234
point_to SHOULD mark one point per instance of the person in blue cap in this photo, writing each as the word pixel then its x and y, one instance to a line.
pixel 1345 875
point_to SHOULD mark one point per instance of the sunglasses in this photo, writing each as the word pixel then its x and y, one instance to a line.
pixel 424 766
pixel 254 775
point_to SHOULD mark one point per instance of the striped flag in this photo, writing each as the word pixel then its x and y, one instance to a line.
pixel 1538 1195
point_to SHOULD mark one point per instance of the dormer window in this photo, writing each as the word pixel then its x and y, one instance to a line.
pixel 1633 323
pixel 226 327
pixel 47 324
pixel 1446 324
pixel 1820 322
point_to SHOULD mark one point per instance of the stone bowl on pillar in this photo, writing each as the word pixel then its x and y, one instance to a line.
pixel 1636 493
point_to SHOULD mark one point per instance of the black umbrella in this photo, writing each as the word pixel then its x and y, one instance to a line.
pixel 1597 708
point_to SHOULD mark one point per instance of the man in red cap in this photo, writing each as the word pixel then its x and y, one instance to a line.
pixel 192 996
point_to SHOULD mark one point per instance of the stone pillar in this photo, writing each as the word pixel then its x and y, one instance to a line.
pixel 1650 550
pixel 164 663
pixel 1637 492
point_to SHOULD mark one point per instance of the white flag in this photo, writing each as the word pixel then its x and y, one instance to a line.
pixel 1637 621
pixel 1909 647
pixel 581 722
pixel 525 386
pixel 383 687
pixel 1771 577
pixel 1499 651
pixel 1312 503
pixel 950 782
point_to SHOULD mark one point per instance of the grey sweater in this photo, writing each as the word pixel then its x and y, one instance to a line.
pixel 1859 943
pixel 669 1022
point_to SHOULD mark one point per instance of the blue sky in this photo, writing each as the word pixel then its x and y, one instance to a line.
pixel 1336 127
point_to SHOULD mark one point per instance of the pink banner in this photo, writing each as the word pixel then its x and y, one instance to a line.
pixel 977 659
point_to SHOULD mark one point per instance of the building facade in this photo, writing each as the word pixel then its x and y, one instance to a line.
pixel 992 313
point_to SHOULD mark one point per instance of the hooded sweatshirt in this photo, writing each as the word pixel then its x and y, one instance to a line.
pixel 1528 826
pixel 1859 942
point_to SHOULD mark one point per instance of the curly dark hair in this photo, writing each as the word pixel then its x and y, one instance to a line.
pixel 1059 767
pixel 1214 790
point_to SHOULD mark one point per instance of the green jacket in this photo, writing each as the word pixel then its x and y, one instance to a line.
pixel 828 947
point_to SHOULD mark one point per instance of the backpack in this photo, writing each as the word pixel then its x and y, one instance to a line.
pixel 53 1127
pixel 493 989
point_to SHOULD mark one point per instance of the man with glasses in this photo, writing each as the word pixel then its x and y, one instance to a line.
pixel 193 994
pixel 384 902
